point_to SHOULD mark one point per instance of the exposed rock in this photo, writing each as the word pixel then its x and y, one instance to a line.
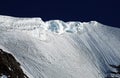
pixel 9 66
pixel 115 73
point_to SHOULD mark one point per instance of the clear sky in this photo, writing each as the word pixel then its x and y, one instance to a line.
pixel 104 11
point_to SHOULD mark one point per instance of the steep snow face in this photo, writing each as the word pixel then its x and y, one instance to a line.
pixel 57 49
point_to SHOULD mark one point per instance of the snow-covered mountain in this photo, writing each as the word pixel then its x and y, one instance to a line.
pixel 57 49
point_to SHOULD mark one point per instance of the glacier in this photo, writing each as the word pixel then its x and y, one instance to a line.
pixel 58 49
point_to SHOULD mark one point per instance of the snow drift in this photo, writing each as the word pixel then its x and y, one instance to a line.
pixel 57 49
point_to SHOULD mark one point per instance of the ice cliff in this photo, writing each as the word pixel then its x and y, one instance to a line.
pixel 57 49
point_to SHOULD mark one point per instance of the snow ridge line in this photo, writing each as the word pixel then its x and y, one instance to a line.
pixel 8 23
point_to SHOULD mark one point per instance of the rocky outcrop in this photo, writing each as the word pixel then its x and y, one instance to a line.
pixel 9 66
pixel 114 74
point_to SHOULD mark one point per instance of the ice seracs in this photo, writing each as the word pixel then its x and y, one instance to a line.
pixel 57 49
pixel 38 28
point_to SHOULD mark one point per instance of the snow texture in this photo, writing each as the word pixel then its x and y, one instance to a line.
pixel 57 49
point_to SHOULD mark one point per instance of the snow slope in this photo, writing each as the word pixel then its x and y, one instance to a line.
pixel 57 49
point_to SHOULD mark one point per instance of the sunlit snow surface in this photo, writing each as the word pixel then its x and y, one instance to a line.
pixel 57 49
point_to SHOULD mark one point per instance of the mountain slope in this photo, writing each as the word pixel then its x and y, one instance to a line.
pixel 55 49
pixel 9 67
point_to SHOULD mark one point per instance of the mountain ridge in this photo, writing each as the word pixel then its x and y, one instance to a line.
pixel 49 52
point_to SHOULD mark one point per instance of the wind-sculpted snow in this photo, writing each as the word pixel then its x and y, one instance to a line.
pixel 38 28
pixel 57 49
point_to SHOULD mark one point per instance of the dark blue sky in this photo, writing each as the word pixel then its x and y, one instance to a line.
pixel 104 11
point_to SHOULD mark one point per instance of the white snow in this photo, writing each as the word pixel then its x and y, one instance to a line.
pixel 57 49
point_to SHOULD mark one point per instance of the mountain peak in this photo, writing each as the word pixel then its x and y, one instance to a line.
pixel 38 28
